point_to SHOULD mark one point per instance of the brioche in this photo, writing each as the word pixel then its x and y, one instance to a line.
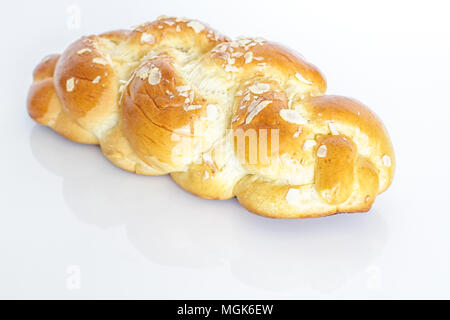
pixel 245 118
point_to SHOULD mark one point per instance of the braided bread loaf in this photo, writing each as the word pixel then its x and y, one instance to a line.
pixel 245 118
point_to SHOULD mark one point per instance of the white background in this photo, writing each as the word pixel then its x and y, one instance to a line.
pixel 74 226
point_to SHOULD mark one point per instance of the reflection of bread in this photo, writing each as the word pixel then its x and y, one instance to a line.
pixel 245 118
pixel 315 254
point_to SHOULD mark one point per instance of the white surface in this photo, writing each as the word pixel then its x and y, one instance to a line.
pixel 67 214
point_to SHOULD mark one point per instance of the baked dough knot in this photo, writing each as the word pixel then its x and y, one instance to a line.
pixel 243 118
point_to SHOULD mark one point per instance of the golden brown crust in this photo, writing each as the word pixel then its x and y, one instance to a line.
pixel 45 107
pixel 254 58
pixel 215 187
pixel 152 113
pixel 360 124
pixel 225 118
pixel 86 83
pixel 334 173
pixel 46 68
